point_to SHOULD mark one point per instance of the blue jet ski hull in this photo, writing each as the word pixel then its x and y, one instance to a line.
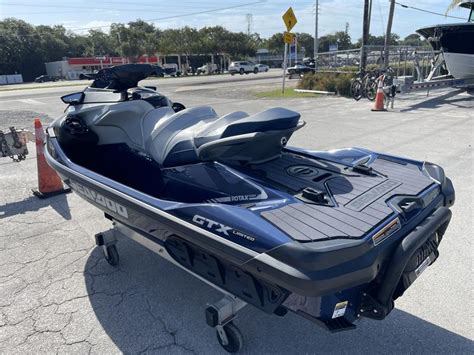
pixel 332 236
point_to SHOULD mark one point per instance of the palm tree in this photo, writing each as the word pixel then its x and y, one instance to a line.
pixel 453 5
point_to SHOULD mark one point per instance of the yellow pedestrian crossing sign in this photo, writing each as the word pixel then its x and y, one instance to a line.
pixel 289 19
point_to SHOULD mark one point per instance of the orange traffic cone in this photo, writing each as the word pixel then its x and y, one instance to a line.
pixel 49 182
pixel 379 104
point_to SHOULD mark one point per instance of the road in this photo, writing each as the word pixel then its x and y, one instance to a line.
pixel 46 96
pixel 57 294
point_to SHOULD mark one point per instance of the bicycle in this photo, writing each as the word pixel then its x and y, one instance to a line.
pixel 365 85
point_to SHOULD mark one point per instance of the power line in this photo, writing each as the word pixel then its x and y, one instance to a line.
pixel 184 15
pixel 427 11
pixel 135 9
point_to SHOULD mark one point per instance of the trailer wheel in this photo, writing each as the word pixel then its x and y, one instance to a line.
pixel 235 340
pixel 111 255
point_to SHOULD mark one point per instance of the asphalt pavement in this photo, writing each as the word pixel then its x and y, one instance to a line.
pixel 57 294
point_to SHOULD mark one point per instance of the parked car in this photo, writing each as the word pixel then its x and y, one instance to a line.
pixel 45 78
pixel 309 62
pixel 242 67
pixel 262 67
pixel 207 69
pixel 299 69
pixel 170 69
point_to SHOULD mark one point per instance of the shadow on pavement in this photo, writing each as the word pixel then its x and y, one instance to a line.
pixel 439 101
pixel 58 203
pixel 148 303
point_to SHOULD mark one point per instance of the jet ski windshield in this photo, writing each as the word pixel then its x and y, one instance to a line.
pixel 124 77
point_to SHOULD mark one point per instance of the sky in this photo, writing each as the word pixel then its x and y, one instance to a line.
pixel 265 16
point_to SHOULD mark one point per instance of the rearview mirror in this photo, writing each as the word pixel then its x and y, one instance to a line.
pixel 177 107
pixel 73 99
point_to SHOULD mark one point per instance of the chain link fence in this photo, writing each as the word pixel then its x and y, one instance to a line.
pixel 405 60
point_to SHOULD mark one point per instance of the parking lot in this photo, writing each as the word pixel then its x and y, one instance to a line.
pixel 57 294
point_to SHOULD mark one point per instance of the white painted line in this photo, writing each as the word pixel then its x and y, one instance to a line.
pixel 31 102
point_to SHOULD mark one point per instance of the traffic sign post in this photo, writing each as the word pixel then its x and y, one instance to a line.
pixel 284 68
pixel 290 21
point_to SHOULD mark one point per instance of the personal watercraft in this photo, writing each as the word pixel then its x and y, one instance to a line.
pixel 331 235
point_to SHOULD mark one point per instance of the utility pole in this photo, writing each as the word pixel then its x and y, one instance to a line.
pixel 249 18
pixel 365 36
pixel 316 41
pixel 388 34
pixel 370 16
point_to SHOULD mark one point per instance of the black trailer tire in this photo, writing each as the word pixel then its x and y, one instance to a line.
pixel 234 337
pixel 112 255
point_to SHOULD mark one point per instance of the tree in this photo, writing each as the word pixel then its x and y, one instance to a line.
pixel 240 44
pixel 100 43
pixel 413 40
pixel 275 43
pixel 25 48
pixel 341 38
pixel 20 52
pixel 380 40
pixel 136 39
pixel 181 41
pixel 306 41
pixel 453 5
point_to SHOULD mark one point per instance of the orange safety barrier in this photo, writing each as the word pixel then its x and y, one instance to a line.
pixel 379 98
pixel 49 182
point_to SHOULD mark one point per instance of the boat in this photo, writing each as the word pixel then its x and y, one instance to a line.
pixel 456 43
pixel 334 236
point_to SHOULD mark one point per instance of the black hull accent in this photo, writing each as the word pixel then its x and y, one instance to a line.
pixel 229 277
pixel 451 38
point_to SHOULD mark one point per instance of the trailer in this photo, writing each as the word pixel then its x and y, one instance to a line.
pixel 405 85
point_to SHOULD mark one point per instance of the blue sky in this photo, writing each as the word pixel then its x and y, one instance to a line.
pixel 266 15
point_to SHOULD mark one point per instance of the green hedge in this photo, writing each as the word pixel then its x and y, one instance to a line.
pixel 334 82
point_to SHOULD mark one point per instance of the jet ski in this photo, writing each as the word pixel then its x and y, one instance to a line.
pixel 333 236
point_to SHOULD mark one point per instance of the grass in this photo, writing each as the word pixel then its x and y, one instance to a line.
pixel 289 93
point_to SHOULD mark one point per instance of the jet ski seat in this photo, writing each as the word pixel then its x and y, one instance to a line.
pixel 247 139
pixel 173 134
pixel 198 134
